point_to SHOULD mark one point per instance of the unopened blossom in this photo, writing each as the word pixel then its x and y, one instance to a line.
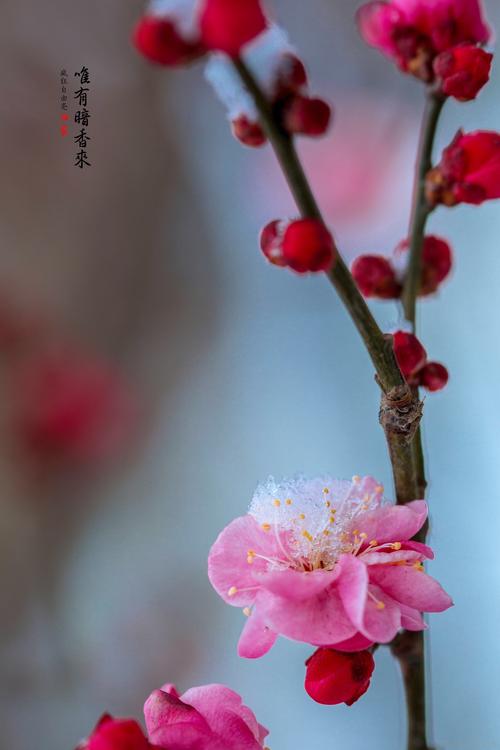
pixel 210 717
pixel 116 734
pixel 228 25
pixel 334 677
pixel 412 360
pixel 281 76
pixel 413 32
pixel 169 33
pixel 469 170
pixel 326 562
pixel 304 245
pixel 383 277
pixel 463 71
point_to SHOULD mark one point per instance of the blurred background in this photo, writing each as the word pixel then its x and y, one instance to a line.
pixel 154 369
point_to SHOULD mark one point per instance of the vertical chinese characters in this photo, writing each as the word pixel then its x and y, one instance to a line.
pixel 64 102
pixel 82 116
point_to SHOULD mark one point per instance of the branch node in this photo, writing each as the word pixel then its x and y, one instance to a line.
pixel 400 412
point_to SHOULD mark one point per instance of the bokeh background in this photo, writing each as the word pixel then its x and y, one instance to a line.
pixel 145 267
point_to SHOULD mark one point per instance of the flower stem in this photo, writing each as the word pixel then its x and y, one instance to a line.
pixel 420 207
pixel 409 647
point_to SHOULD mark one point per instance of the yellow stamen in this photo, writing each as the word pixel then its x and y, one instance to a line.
pixel 380 605
pixel 247 611
pixel 232 591
pixel 326 491
pixel 356 479
pixel 373 543
pixel 379 489
pixel 266 527
pixel 328 504
pixel 396 546
pixel 276 503
pixel 307 535
pixel 301 516
pixel 288 501
pixel 363 535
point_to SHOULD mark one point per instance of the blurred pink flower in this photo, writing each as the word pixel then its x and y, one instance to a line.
pixel 70 407
pixel 116 734
pixel 323 561
pixel 210 717
pixel 413 32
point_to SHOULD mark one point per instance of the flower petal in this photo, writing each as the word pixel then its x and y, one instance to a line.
pixel 358 642
pixel 294 584
pixel 352 585
pixel 411 619
pixel 392 523
pixel 411 587
pixel 173 724
pixel 256 638
pixel 380 624
pixel 228 566
pixel 226 715
pixel 319 620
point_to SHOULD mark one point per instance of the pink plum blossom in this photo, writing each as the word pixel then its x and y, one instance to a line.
pixel 414 32
pixel 210 717
pixel 325 562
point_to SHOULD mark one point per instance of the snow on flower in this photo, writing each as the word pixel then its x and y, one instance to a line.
pixel 326 562
pixel 414 32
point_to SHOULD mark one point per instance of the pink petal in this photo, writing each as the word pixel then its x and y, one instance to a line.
pixel 294 584
pixel 228 566
pixel 392 523
pixel 380 624
pixel 376 21
pixel 256 638
pixel 319 620
pixel 173 724
pixel 226 715
pixel 411 619
pixel 412 587
pixel 352 585
pixel 358 642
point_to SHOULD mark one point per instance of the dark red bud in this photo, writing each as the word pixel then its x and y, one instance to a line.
pixel 228 25
pixel 375 277
pixel 247 132
pixel 304 116
pixel 410 354
pixel 271 238
pixel 433 376
pixel 334 677
pixel 159 41
pixel 308 246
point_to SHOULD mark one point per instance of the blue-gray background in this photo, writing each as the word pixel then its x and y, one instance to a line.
pixel 151 257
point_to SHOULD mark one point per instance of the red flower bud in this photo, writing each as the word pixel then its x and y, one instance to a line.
pixel 305 116
pixel 291 76
pixel 159 41
pixel 271 238
pixel 308 246
pixel 433 376
pixel 116 734
pixel 247 132
pixel 375 277
pixel 469 171
pixel 227 25
pixel 463 71
pixel 335 677
pixel 410 354
pixel 436 264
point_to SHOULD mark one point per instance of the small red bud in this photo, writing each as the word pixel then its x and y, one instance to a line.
pixel 436 264
pixel 116 734
pixel 270 242
pixel 305 116
pixel 463 71
pixel 291 76
pixel 308 246
pixel 227 25
pixel 336 677
pixel 247 132
pixel 375 277
pixel 433 376
pixel 410 354
pixel 159 41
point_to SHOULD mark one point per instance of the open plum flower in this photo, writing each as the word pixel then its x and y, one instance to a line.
pixel 210 717
pixel 326 562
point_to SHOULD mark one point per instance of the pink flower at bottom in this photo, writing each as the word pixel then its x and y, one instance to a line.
pixel 210 717
pixel 325 562
pixel 116 734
